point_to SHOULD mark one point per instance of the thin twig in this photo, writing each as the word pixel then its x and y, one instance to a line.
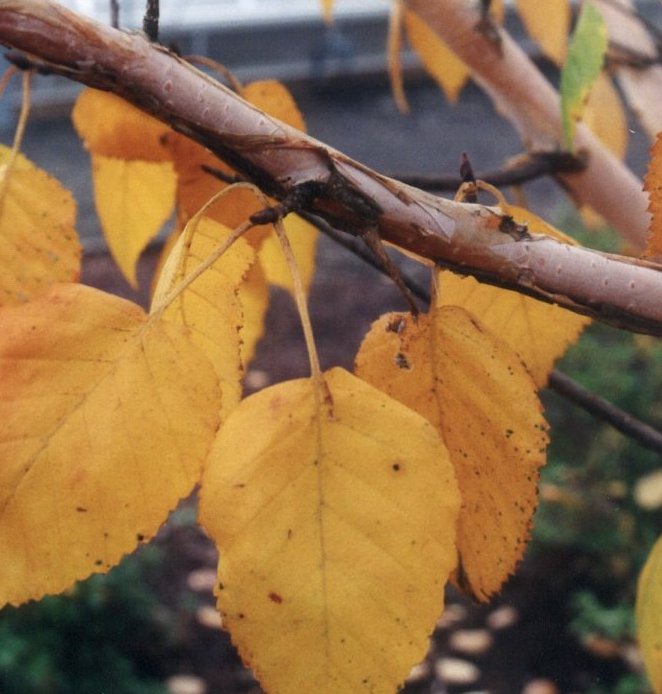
pixel 596 405
pixel 529 168
pixel 115 14
pixel 151 20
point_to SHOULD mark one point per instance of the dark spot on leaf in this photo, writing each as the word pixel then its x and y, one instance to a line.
pixel 274 597
pixel 98 562
pixel 241 615
pixel 396 325
pixel 140 537
pixel 401 361
pixel 509 433
pixel 81 509
pixel 395 467
pixel 221 586
pixel 289 533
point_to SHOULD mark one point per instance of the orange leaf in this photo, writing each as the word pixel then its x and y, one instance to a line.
pixel 113 128
pixel 438 59
pixel 106 417
pixel 38 240
pixel 653 185
pixel 548 23
pixel 473 387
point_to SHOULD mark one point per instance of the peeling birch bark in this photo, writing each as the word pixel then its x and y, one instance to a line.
pixel 643 84
pixel 524 96
pixel 469 238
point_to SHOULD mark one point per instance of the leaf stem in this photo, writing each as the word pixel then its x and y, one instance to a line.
pixel 322 392
pixel 18 135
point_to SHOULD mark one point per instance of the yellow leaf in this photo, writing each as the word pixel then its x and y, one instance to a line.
pixel 473 387
pixel 336 535
pixel 111 127
pixel 274 98
pixel 254 298
pixel 605 117
pixel 133 200
pixel 210 307
pixel 38 240
pixel 106 418
pixel 540 333
pixel 649 616
pixel 653 186
pixel 548 23
pixel 438 59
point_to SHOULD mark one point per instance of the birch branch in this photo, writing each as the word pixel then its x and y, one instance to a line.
pixel 470 238
pixel 524 96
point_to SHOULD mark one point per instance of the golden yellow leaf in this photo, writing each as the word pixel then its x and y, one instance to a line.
pixel 106 418
pixel 441 63
pixel 327 10
pixel 540 333
pixel 548 23
pixel 653 186
pixel 111 127
pixel 254 298
pixel 649 616
pixel 336 535
pixel 605 116
pixel 473 387
pixel 38 240
pixel 210 307
pixel 274 98
pixel 133 200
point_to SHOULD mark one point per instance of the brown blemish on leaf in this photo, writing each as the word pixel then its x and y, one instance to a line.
pixel 274 597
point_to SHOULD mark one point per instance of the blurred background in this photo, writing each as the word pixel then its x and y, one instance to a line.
pixel 564 623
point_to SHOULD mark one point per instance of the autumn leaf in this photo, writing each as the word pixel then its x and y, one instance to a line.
pixel 38 241
pixel 472 386
pixel 134 181
pixel 547 22
pixel 582 67
pixel 311 513
pixel 605 116
pixel 438 59
pixel 653 186
pixel 133 199
pixel 106 418
pixel 254 297
pixel 539 332
pixel 210 307
pixel 111 127
pixel 649 615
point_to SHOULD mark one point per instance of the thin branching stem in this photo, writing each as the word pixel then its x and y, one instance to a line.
pixel 151 20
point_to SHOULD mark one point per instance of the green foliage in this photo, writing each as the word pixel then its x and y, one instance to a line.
pixel 587 502
pixel 585 57
pixel 97 638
